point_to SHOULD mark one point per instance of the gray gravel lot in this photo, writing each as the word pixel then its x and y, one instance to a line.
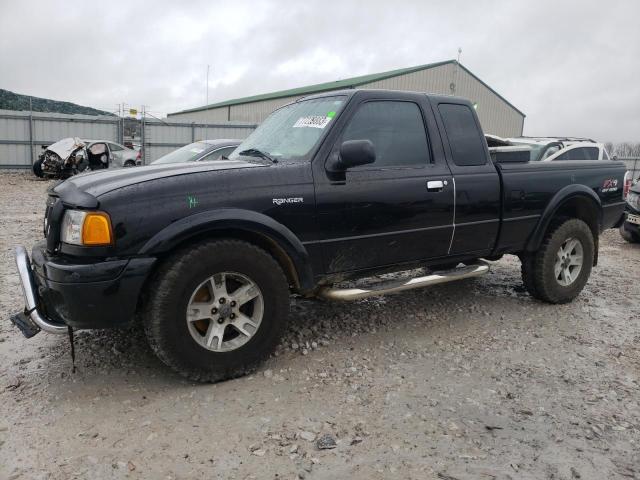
pixel 470 380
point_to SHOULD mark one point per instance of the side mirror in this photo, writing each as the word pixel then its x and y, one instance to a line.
pixel 80 156
pixel 354 153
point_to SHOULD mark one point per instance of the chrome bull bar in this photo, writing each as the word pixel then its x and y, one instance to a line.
pixel 37 320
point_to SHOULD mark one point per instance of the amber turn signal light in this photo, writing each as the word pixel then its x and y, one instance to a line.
pixel 96 229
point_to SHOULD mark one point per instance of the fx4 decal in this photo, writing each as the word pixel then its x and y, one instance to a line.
pixel 609 185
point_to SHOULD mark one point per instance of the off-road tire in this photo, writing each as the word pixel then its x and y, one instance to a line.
pixel 169 291
pixel 628 236
pixel 538 269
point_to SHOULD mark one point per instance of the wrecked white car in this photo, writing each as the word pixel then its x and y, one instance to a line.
pixel 73 155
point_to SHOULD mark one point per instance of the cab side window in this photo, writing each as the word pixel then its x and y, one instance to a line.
pixel 465 141
pixel 396 130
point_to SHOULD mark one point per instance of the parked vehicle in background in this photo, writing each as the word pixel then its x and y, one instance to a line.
pixel 73 155
pixel 123 156
pixel 547 149
pixel 199 151
pixel 630 228
pixel 337 186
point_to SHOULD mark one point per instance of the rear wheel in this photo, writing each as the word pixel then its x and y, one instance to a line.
pixel 559 270
pixel 216 310
pixel 129 163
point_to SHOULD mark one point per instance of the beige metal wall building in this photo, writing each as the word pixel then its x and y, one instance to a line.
pixel 496 114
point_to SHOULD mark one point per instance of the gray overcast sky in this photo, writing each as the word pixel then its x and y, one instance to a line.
pixel 572 66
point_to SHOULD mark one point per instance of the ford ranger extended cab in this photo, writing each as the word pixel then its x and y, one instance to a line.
pixel 330 188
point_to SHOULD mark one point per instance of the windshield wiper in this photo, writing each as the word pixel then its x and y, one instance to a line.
pixel 254 152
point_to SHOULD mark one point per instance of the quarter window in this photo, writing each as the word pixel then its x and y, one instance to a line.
pixel 396 130
pixel 467 146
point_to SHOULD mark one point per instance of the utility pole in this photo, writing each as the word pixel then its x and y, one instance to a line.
pixel 454 77
pixel 207 95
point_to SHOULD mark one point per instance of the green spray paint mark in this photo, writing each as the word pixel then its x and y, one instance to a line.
pixel 331 114
pixel 192 201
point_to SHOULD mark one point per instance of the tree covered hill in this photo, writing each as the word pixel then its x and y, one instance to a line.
pixel 15 101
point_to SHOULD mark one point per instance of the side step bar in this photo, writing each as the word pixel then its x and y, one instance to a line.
pixel 395 286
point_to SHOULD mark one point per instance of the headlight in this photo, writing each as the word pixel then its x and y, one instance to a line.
pixel 86 228
pixel 633 199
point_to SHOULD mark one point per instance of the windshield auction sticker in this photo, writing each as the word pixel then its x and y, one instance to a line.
pixel 314 121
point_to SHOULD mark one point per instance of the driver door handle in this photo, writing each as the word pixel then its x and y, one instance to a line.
pixel 435 185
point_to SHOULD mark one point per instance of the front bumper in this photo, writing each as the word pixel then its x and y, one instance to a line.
pixel 60 293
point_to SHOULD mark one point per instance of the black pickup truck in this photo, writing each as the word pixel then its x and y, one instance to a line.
pixel 332 187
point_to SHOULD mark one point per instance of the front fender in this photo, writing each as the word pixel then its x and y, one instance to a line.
pixel 570 192
pixel 234 219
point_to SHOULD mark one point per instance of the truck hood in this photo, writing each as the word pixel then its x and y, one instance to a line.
pixel 82 190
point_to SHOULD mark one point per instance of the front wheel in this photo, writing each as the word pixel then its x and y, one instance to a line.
pixel 216 309
pixel 37 168
pixel 559 270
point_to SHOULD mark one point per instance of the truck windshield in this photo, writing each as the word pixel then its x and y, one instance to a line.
pixel 291 132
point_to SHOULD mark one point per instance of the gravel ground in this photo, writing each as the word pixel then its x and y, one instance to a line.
pixel 470 380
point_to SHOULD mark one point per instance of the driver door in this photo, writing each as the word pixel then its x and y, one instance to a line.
pixel 398 209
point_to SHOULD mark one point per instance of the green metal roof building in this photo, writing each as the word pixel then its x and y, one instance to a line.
pixel 496 114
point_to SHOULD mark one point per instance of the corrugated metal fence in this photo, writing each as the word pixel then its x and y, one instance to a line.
pixel 23 133
pixel 160 138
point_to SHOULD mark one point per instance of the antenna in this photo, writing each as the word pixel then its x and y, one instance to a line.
pixel 459 53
